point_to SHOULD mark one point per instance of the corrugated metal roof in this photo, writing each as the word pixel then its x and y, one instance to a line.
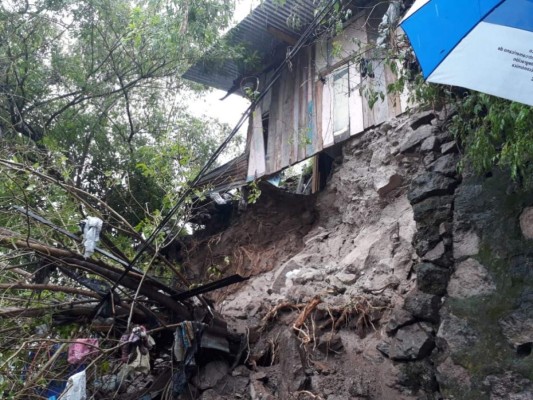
pixel 252 32
pixel 227 176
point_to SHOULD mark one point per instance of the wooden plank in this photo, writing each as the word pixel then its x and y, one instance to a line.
pixel 310 125
pixel 273 128
pixel 296 114
pixel 287 117
pixel 327 114
pixel 381 107
pixel 300 135
pixel 256 160
pixel 319 87
pixel 356 102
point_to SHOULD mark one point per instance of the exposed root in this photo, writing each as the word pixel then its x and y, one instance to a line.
pixel 305 394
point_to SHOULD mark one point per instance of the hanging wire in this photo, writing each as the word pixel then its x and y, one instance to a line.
pixel 318 19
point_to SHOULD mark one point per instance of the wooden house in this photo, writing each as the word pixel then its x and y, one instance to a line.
pixel 334 88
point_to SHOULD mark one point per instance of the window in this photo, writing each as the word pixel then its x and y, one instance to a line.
pixel 341 94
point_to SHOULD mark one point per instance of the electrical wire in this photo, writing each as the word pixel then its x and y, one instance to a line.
pixel 302 41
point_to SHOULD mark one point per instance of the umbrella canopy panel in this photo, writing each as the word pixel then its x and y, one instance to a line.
pixel 481 45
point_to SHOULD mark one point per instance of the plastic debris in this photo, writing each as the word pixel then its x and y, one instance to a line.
pixel 76 387
pixel 91 234
pixel 187 339
pixel 82 349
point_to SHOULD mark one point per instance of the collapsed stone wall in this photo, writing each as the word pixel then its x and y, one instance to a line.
pixel 413 283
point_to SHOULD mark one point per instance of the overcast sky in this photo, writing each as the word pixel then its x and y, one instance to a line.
pixel 231 109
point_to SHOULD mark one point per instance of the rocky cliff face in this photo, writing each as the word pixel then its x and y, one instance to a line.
pixel 410 282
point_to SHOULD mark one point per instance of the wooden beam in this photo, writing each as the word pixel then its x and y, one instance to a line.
pixel 284 36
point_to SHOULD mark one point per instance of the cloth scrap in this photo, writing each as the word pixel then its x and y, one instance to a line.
pixel 82 349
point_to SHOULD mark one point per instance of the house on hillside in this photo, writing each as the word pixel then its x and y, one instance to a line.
pixel 334 88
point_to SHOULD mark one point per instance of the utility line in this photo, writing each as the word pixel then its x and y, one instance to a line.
pixel 319 18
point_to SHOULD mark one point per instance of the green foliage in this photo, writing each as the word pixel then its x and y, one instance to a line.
pixel 93 121
pixel 253 193
pixel 496 132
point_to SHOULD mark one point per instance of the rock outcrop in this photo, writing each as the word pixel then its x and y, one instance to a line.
pixel 413 282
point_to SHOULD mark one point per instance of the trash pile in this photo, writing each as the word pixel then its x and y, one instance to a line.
pixel 107 330
pixel 142 364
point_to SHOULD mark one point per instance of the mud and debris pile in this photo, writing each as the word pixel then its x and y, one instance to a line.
pixel 369 291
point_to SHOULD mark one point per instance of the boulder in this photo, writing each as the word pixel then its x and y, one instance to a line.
pixel 415 137
pixel 420 119
pixel 211 374
pixel 429 144
pixel 445 165
pixel 412 342
pixel 450 147
pixel 465 243
pixel 469 279
pixel 526 222
pixel 399 318
pixel 433 210
pixel 509 386
pixel 457 333
pixel 451 374
pixel 423 306
pixel 384 184
pixel 517 327
pixel 432 279
pixel 430 184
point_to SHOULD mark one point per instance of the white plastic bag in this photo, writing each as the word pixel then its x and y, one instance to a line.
pixel 76 388
pixel 91 234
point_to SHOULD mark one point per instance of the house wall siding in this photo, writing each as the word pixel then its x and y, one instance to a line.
pixel 301 105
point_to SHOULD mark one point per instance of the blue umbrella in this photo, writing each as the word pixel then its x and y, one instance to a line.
pixel 484 45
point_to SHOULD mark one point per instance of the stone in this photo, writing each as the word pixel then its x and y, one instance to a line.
pixel 457 333
pixel 423 118
pixel 385 184
pixel 430 184
pixel 451 374
pixel 445 229
pixel 431 278
pixel 526 222
pixel 399 318
pixel 426 238
pixel 415 137
pixel 445 165
pixel 384 347
pixel 308 275
pixel 470 279
pixel 429 144
pixel 437 255
pixel 330 342
pixel 465 244
pixel 412 342
pixel 211 374
pixel 258 391
pixel 509 386
pixel 423 306
pixel 418 376
pixel 210 395
pixel 434 210
pixel 450 147
pixel 346 279
pixel 241 370
pixel 517 327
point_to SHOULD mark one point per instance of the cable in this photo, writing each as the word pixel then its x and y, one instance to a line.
pixel 317 20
